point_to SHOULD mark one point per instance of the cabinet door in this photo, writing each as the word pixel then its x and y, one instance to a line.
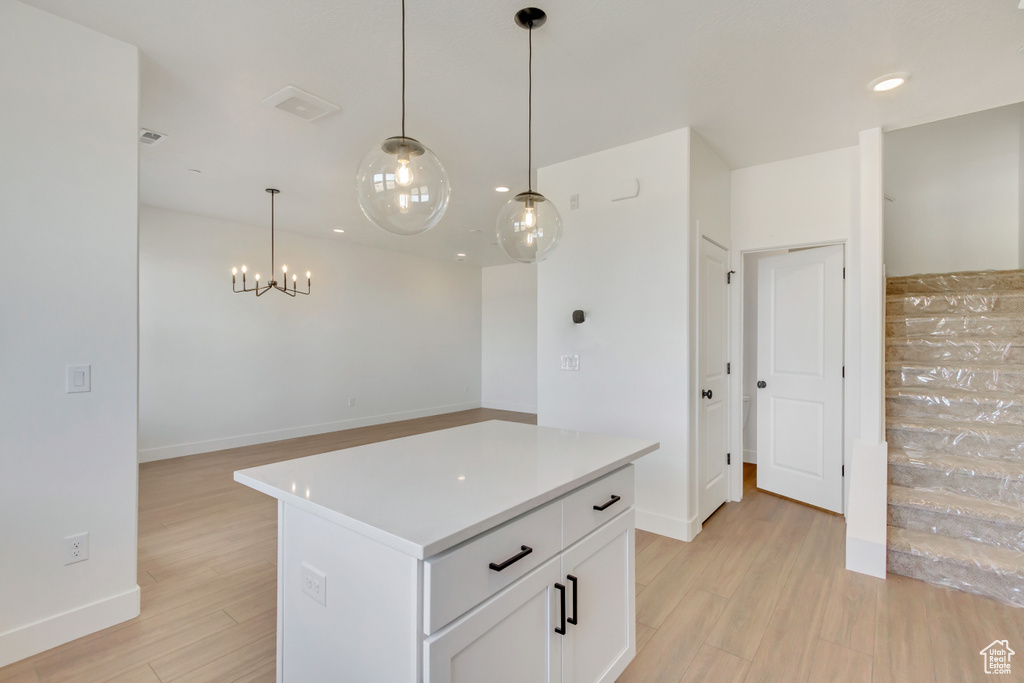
pixel 510 638
pixel 602 642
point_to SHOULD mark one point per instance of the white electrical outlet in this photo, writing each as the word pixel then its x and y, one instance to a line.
pixel 76 548
pixel 314 584
pixel 571 362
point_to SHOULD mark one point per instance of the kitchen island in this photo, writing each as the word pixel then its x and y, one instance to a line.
pixel 491 552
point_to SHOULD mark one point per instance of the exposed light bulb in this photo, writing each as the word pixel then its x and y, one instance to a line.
pixel 234 271
pixel 244 269
pixel 403 174
pixel 294 277
pixel 308 275
pixel 529 217
pixel 284 269
pixel 403 203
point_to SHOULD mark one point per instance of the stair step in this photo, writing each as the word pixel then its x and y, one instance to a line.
pixel 993 480
pixel 1003 303
pixel 957 563
pixel 954 404
pixel 956 349
pixel 969 281
pixel 954 514
pixel 970 376
pixel 996 442
pixel 928 326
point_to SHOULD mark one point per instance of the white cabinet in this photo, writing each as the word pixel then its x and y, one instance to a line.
pixel 508 639
pixel 602 642
pixel 514 635
pixel 439 557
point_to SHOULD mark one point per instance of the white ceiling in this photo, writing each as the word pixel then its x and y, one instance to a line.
pixel 760 80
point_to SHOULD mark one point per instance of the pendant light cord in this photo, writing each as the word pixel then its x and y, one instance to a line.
pixel 403 68
pixel 272 263
pixel 529 120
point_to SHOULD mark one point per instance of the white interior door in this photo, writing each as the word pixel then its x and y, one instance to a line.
pixel 800 376
pixel 712 422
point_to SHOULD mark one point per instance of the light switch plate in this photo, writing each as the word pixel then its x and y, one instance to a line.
pixel 79 379
pixel 571 362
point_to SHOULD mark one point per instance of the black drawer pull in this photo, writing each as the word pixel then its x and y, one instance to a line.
pixel 512 560
pixel 613 501
pixel 560 630
pixel 574 619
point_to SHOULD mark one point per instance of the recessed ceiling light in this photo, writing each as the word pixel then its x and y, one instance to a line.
pixel 888 82
pixel 461 255
pixel 338 230
pixel 501 188
pixel 474 229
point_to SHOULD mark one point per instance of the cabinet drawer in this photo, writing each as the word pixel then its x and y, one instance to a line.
pixel 462 577
pixel 579 517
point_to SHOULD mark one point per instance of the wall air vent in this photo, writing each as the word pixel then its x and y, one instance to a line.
pixel 150 137
pixel 300 103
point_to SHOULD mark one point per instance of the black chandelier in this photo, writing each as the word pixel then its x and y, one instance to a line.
pixel 260 289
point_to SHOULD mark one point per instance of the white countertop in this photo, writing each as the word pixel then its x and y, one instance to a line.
pixel 424 494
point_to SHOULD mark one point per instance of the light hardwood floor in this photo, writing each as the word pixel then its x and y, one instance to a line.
pixel 759 595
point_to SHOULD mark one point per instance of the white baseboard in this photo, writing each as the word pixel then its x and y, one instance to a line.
pixel 866 557
pixel 679 529
pixel 179 450
pixel 750 456
pixel 29 640
pixel 499 405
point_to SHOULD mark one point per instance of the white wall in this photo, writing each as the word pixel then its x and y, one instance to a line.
pixel 399 334
pixel 625 264
pixel 69 169
pixel 956 186
pixel 509 338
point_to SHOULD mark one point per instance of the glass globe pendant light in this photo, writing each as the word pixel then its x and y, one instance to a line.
pixel 529 226
pixel 402 186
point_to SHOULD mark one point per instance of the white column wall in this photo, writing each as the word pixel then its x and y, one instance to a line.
pixel 68 233
pixel 399 334
pixel 626 264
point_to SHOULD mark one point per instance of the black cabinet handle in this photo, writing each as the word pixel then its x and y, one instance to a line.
pixel 613 501
pixel 560 630
pixel 705 393
pixel 512 560
pixel 575 613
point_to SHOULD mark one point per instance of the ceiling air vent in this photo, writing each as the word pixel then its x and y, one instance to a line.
pixel 150 137
pixel 300 103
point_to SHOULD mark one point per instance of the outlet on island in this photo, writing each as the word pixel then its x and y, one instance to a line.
pixel 314 583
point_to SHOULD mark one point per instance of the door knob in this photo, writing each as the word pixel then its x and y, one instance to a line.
pixel 761 384
pixel 705 393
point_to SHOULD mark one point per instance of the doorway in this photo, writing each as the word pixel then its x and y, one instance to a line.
pixel 793 328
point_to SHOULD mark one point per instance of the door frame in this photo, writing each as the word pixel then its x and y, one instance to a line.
pixel 736 334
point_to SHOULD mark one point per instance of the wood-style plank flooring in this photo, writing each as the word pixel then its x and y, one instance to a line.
pixel 759 595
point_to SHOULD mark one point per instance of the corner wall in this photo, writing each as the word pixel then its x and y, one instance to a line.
pixel 509 338
pixel 399 334
pixel 69 168
pixel 626 264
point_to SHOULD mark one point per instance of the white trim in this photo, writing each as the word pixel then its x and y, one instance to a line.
pixel 516 408
pixel 663 525
pixel 62 628
pixel 750 455
pixel 865 557
pixel 179 450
